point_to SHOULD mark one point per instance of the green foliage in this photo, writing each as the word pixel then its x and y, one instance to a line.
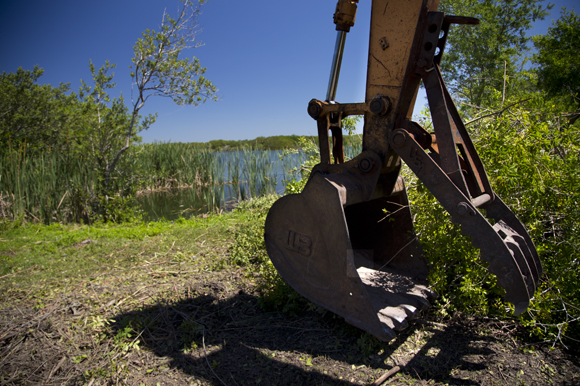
pixel 33 254
pixel 157 68
pixel 50 187
pixel 349 124
pixel 174 165
pixel 302 172
pixel 478 57
pixel 59 187
pixel 536 173
pixel 558 59
pixel 105 125
pixel 32 114
pixel 59 148
pixel 278 142
pixel 531 156
pixel 72 157
pixel 277 295
pixel 249 247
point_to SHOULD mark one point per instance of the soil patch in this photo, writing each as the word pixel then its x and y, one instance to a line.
pixel 184 318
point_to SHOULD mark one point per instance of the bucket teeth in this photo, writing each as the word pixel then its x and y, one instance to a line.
pixel 500 213
pixel 506 245
pixel 509 258
pixel 513 263
pixel 520 252
pixel 394 317
pixel 396 297
pixel 508 262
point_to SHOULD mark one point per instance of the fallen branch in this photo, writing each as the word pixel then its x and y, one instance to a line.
pixel 496 113
pixel 386 375
pixel 429 323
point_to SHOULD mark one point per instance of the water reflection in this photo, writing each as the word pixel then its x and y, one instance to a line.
pixel 239 175
pixel 242 175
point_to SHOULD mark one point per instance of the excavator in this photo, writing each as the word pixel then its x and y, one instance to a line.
pixel 331 242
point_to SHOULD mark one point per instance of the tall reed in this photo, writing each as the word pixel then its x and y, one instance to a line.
pixel 250 172
pixel 174 165
pixel 48 187
pixel 56 187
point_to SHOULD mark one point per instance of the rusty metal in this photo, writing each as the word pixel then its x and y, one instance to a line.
pixel 347 241
pixel 318 108
pixel 345 14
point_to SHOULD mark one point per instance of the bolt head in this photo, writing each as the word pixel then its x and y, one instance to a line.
pixel 314 109
pixel 377 106
pixel 365 165
pixel 464 210
pixel 421 63
pixel 399 138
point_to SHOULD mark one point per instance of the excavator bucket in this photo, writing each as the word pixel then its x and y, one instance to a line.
pixel 345 257
pixel 347 242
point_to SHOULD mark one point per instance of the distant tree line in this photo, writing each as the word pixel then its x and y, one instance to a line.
pixel 277 142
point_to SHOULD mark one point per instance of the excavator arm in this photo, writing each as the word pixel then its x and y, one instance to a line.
pixel 331 242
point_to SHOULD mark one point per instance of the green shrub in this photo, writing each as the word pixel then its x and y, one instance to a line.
pixel 531 155
pixel 249 247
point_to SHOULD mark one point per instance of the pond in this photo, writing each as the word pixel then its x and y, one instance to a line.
pixel 242 175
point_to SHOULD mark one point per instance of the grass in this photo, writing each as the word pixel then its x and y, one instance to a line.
pixel 57 188
pixel 167 303
pixel 54 187
pixel 33 253
pixel 250 171
pixel 32 186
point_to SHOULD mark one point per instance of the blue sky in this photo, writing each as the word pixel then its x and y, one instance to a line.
pixel 268 58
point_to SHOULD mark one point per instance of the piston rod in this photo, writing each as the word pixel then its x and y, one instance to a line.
pixel 336 62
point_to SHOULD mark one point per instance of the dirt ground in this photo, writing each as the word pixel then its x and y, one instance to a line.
pixel 200 327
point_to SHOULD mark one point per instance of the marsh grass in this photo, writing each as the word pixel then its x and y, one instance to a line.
pixel 205 181
pixel 250 171
pixel 48 187
pixel 53 187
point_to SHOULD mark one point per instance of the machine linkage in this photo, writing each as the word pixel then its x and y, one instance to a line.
pixel 347 241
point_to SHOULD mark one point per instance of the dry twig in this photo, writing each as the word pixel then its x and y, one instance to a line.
pixel 386 375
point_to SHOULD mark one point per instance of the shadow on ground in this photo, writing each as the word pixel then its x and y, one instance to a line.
pixel 219 339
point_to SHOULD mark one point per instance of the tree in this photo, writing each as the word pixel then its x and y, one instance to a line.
pixel 37 115
pixel 558 60
pixel 102 128
pixel 482 58
pixel 158 70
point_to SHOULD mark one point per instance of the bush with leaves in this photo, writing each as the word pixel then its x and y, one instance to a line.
pixel 531 153
pixel 249 248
